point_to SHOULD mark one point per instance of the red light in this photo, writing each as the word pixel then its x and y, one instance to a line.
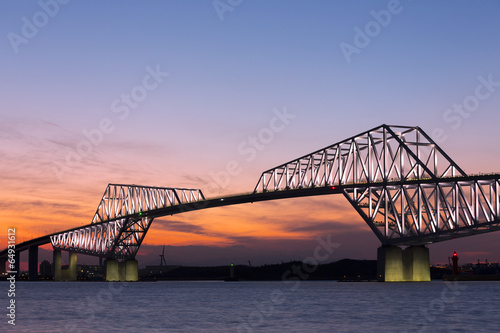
pixel 454 254
pixel 333 187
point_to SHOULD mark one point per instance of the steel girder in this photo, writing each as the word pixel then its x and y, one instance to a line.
pixel 126 200
pixel 406 188
pixel 420 213
pixel 381 154
pixel 119 239
pixel 121 220
pixel 95 239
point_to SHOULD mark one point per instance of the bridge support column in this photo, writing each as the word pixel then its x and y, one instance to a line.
pixel 71 272
pixel 390 264
pixel 131 270
pixel 68 274
pixel 127 270
pixel 396 265
pixel 121 270
pixel 112 270
pixel 33 263
pixel 416 264
pixel 56 263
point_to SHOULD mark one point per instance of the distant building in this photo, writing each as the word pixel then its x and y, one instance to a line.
pixel 45 269
pixel 89 272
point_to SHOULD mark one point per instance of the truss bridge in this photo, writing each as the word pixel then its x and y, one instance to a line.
pixel 403 185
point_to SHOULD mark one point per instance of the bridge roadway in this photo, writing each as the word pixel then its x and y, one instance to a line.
pixel 267 196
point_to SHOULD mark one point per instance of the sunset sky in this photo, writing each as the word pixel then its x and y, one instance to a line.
pixel 169 93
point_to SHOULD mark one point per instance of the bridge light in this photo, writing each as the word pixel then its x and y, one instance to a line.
pixel 140 213
pixel 333 187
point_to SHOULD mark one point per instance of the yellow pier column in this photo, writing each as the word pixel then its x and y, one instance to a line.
pixel 112 270
pixel 131 270
pixel 397 265
pixel 57 262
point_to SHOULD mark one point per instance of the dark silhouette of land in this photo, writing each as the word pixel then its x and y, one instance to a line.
pixel 346 269
pixel 342 270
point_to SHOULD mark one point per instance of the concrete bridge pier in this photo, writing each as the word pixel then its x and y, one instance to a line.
pixel 397 265
pixel 56 265
pixel 131 268
pixel 127 270
pixel 112 270
pixel 68 274
pixel 33 263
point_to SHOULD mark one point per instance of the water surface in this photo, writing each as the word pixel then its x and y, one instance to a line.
pixel 304 306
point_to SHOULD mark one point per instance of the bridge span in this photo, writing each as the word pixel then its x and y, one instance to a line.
pixel 404 186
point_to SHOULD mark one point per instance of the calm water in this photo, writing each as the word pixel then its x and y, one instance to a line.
pixel 254 307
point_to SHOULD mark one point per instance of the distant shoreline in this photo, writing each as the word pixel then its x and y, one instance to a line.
pixel 345 270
